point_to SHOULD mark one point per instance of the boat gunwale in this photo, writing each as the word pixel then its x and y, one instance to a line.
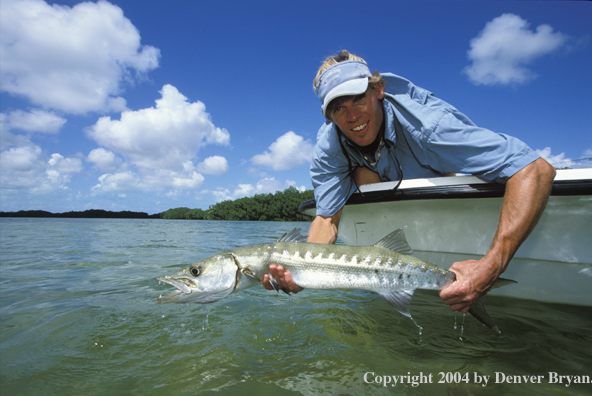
pixel 572 182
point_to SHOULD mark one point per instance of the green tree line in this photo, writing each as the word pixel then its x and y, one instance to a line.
pixel 87 214
pixel 280 206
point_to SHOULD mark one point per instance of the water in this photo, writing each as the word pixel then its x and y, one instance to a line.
pixel 78 317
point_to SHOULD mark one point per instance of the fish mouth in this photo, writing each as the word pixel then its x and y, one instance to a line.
pixel 171 298
pixel 183 285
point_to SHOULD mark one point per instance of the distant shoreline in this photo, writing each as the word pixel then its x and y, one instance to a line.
pixel 279 206
pixel 87 214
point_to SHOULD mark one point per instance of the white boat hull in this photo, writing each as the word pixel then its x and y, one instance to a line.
pixel 554 264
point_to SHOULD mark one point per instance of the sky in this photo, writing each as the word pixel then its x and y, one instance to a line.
pixel 151 105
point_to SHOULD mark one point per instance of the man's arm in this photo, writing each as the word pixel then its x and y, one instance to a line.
pixel 322 230
pixel 525 198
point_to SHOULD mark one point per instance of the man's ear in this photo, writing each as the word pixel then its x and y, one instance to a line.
pixel 328 116
pixel 379 91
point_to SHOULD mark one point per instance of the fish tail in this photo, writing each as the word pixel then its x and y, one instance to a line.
pixel 480 313
pixel 400 301
pixel 478 309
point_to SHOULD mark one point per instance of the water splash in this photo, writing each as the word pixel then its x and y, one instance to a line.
pixel 206 321
pixel 418 326
pixel 291 308
pixel 462 327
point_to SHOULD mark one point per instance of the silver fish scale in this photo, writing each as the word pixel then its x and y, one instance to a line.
pixel 323 266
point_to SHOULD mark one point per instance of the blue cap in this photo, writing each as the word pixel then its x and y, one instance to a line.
pixel 342 79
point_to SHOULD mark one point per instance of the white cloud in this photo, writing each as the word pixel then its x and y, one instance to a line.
pixel 560 161
pixel 34 121
pixel 214 165
pixel 501 51
pixel 293 184
pixel 8 139
pixel 244 190
pixel 127 181
pixel 26 168
pixel 555 160
pixel 157 145
pixel 269 185
pixel 222 195
pixel 288 151
pixel 264 186
pixel 70 59
pixel 193 180
pixel 161 137
pixel 65 165
pixel 21 159
pixel 104 160
pixel 122 181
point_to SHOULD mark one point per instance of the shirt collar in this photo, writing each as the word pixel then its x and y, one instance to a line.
pixel 390 132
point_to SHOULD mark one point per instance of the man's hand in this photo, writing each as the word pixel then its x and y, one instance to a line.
pixel 473 279
pixel 283 278
pixel 322 230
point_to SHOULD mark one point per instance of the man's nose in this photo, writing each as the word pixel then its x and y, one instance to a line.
pixel 353 113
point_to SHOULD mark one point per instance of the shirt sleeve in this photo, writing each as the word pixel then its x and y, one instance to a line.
pixel 329 172
pixel 458 145
pixel 446 140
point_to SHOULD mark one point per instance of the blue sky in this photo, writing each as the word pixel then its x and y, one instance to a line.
pixel 146 106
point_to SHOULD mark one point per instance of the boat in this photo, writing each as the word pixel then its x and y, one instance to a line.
pixel 454 218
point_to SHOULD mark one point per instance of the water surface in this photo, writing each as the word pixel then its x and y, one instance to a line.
pixel 77 316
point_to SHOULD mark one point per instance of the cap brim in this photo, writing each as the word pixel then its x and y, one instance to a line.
pixel 351 87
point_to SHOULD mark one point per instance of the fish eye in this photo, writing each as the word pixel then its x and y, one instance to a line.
pixel 195 270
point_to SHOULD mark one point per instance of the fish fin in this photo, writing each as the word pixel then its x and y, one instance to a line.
pixel 502 282
pixel 292 236
pixel 397 241
pixel 480 313
pixel 399 300
pixel 274 284
pixel 478 309
pixel 249 273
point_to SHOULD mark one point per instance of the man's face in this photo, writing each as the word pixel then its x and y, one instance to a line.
pixel 359 117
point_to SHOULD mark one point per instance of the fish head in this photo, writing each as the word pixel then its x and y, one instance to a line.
pixel 203 282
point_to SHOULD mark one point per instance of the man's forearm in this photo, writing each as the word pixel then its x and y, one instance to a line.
pixel 324 229
pixel 525 198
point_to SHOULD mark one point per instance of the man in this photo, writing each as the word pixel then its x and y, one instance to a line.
pixel 381 126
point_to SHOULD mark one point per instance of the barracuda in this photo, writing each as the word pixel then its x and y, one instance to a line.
pixel 387 268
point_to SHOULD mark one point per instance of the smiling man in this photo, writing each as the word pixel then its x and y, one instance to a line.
pixel 385 128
